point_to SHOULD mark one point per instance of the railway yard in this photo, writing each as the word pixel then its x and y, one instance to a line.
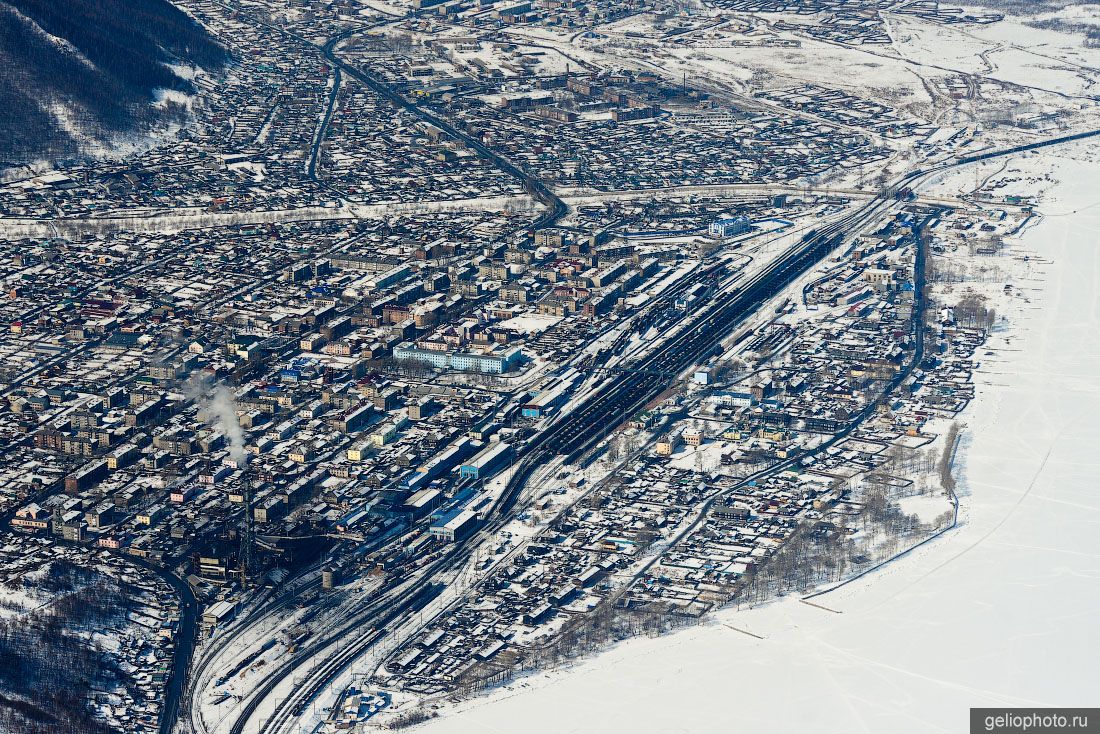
pixel 457 340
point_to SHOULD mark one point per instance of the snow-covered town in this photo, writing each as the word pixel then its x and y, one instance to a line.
pixel 622 366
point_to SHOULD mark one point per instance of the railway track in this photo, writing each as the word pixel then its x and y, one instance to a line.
pixel 320 677
pixel 571 436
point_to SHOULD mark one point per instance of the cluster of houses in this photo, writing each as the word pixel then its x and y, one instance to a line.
pixel 375 152
pixel 650 136
pixel 33 578
pixel 201 395
pixel 848 110
pixel 803 378
pixel 857 22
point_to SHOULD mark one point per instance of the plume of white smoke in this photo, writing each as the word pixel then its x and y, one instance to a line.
pixel 218 410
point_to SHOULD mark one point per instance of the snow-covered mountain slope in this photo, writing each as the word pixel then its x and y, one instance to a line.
pixel 77 75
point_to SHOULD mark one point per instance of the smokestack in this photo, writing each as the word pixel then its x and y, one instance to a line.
pixel 248 546
pixel 218 410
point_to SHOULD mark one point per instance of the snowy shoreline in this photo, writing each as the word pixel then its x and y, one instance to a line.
pixel 994 613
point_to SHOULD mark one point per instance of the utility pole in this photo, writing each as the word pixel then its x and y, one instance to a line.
pixel 248 528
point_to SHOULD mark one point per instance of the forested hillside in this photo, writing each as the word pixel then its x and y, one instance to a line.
pixel 74 73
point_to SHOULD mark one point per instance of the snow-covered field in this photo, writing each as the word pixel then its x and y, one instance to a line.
pixel 999 612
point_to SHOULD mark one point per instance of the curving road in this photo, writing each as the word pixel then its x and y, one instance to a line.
pixel 572 434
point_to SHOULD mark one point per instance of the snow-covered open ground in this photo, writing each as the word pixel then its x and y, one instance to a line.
pixel 1000 612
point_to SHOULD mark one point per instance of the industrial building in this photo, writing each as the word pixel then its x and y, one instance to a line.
pixel 488 459
pixel 455 526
